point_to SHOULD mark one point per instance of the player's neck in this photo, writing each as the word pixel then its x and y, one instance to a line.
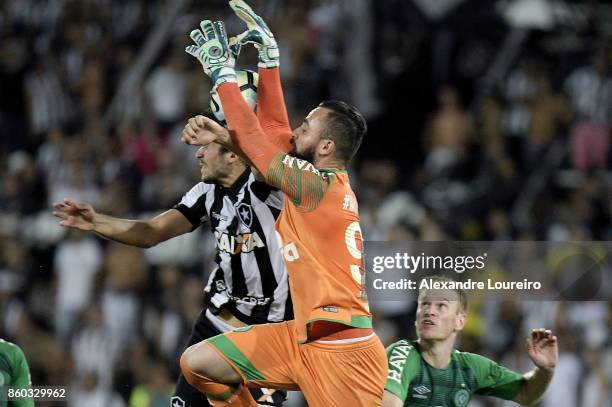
pixel 232 176
pixel 437 353
pixel 329 162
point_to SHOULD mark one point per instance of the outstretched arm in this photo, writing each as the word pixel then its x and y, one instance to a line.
pixel 543 350
pixel 245 129
pixel 141 233
pixel 271 110
pixel 298 179
pixel 218 60
pixel 201 130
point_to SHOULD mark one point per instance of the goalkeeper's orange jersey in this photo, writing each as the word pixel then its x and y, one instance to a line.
pixel 321 244
pixel 319 224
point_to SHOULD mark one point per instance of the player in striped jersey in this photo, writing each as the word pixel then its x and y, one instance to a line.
pixel 249 285
pixel 329 351
pixel 429 372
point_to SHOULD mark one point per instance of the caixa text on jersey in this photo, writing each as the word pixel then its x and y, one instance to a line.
pixel 244 243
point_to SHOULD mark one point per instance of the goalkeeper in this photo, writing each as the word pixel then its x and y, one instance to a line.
pixel 329 351
pixel 430 372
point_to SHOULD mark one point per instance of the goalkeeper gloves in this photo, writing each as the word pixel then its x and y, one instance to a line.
pixel 213 52
pixel 257 33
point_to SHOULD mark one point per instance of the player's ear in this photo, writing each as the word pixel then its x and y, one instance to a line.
pixel 460 320
pixel 326 147
pixel 231 158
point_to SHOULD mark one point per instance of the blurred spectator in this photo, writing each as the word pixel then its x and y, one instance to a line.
pixel 95 350
pixel 517 360
pixel 166 186
pixel 167 90
pixel 171 326
pixel 156 390
pixel 77 261
pixel 326 20
pixel 448 134
pixel 140 142
pixel 74 174
pixel 489 123
pixel 564 388
pixel 589 146
pixel 94 88
pixel 49 105
pixel 25 188
pixel 76 182
pixel 49 157
pixel 590 90
pixel 125 276
pixel 12 278
pixel 549 113
pixel 520 88
pixel 596 389
pixel 88 392
pixel 13 105
pixel 377 179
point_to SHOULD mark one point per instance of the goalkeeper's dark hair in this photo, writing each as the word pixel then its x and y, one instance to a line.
pixel 346 127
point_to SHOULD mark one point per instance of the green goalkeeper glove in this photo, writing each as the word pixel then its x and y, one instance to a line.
pixel 257 33
pixel 213 52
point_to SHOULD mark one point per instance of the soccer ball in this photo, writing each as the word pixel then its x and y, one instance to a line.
pixel 247 82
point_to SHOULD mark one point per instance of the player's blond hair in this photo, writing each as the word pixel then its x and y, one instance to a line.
pixel 461 293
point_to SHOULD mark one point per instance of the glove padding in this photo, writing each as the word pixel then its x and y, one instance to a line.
pixel 257 33
pixel 213 52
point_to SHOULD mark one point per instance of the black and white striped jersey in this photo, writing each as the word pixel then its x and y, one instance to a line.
pixel 251 278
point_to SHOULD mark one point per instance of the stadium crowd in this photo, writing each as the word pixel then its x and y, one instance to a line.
pixel 523 158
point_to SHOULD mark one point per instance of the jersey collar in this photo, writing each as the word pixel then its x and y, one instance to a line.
pixel 239 183
pixel 332 171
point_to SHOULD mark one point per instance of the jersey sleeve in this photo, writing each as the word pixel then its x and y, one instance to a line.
pixel 271 110
pixel 493 379
pixel 244 128
pixel 6 373
pixel 403 364
pixel 21 377
pixel 298 179
pixel 193 204
pixel 15 372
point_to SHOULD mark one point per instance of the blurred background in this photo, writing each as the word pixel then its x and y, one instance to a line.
pixel 488 120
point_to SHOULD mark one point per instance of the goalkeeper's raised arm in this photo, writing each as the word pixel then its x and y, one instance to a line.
pixel 214 53
pixel 257 33
pixel 328 137
pixel 271 109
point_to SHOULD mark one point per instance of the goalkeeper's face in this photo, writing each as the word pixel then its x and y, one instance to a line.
pixel 439 314
pixel 306 139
